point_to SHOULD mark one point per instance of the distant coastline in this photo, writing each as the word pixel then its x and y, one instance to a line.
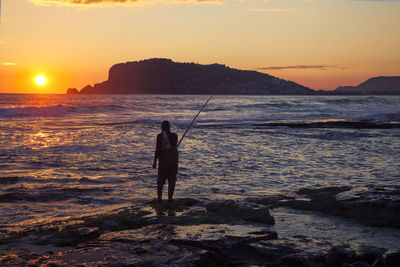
pixel 164 76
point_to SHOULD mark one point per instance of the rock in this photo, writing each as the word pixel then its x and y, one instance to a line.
pixel 212 258
pixel 318 260
pixel 72 91
pixel 393 259
pixel 379 262
pixel 295 261
pixel 141 251
pixel 356 264
pixel 372 205
pixel 244 210
pixel 86 89
pixel 336 257
pixel 369 257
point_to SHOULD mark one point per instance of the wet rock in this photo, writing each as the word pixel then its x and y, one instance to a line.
pixel 122 220
pixel 141 251
pixel 368 257
pixel 239 251
pixel 212 258
pixel 372 205
pixel 270 201
pixel 336 257
pixel 393 259
pixel 295 261
pixel 171 208
pixel 379 262
pixel 356 264
pixel 244 210
pixel 318 260
pixel 72 237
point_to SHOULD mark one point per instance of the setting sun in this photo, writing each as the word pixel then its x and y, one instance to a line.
pixel 40 80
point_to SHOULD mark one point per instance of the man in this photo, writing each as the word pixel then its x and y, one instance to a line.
pixel 167 155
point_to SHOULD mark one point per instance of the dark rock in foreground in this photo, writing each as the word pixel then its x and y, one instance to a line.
pixel 393 259
pixel 163 76
pixel 184 233
pixel 244 210
pixel 336 257
pixel 377 206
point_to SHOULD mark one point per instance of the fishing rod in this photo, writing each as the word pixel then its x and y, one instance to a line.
pixel 194 120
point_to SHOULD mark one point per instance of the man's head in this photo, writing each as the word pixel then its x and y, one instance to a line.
pixel 165 126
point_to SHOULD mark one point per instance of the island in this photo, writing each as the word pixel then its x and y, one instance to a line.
pixel 164 76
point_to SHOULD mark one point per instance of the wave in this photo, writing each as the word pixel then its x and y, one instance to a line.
pixel 282 105
pixel 56 110
pixel 384 117
pixel 372 121
pixel 332 124
pixel 116 123
pixel 48 194
pixel 9 180
pixel 358 100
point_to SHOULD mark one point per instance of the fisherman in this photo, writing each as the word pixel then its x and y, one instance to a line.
pixel 167 155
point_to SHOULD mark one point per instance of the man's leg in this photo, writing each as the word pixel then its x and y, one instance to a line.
pixel 160 183
pixel 171 185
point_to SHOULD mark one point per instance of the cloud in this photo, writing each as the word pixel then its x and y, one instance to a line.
pixel 376 0
pixel 9 64
pixel 269 9
pixel 113 2
pixel 318 67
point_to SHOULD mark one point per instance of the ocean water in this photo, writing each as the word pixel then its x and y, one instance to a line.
pixel 67 156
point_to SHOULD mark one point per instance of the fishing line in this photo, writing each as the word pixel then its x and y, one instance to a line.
pixel 194 120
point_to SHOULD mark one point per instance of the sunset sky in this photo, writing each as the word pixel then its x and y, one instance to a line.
pixel 317 43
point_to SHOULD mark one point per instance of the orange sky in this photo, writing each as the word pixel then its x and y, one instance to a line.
pixel 317 43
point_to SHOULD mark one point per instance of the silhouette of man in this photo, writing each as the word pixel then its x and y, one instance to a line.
pixel 167 155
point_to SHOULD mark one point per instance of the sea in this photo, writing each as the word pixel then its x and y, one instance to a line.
pixel 64 157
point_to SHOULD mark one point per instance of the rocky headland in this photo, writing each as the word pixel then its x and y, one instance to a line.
pixel 164 76
pixel 384 85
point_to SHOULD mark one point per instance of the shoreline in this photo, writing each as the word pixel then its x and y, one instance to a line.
pixel 190 232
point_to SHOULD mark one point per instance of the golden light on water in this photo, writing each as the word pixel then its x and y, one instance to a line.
pixel 40 80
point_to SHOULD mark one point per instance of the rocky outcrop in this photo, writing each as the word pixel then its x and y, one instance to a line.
pixel 186 232
pixel 87 89
pixel 373 205
pixel 72 91
pixel 247 211
pixel 163 76
pixel 384 85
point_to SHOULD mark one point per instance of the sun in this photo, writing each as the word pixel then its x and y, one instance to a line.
pixel 40 80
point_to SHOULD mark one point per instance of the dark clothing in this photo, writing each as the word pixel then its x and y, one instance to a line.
pixel 173 140
pixel 164 175
pixel 167 163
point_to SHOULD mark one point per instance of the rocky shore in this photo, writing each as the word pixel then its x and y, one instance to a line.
pixel 190 232
pixel 371 205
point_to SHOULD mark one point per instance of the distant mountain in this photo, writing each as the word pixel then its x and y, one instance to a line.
pixel 163 76
pixel 384 85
